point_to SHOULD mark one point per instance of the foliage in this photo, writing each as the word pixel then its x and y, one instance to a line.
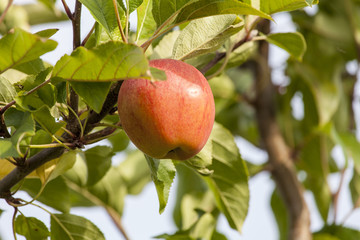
pixel 49 113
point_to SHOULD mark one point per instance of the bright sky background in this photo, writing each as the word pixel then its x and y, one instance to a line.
pixel 141 218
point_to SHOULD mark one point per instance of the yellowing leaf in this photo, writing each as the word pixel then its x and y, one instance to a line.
pixel 56 167
pixel 6 167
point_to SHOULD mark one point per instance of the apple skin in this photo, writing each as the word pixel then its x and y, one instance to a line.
pixel 169 119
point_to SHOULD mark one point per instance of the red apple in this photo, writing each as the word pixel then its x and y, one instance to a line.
pixel 168 119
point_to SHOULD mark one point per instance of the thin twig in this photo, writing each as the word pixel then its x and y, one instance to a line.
pixel 2 17
pixel 337 194
pixel 88 35
pixel 76 25
pixel 67 10
pixel 117 221
pixel 119 22
pixel 99 135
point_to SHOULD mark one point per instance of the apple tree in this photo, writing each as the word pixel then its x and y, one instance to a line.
pixel 60 128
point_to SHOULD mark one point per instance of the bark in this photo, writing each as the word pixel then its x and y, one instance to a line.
pixel 282 165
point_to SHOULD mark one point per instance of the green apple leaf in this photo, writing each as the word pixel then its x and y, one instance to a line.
pixel 229 181
pixel 271 7
pixel 163 9
pixel 69 227
pixel 7 91
pixel 324 236
pixel 293 43
pixel 119 141
pixel 204 8
pixel 201 161
pixel 111 61
pixel 280 214
pixel 205 35
pixel 203 228
pixel 32 67
pixel 164 48
pixel 109 192
pixel 340 232
pixel 24 125
pixel 55 194
pixel 324 87
pixel 103 12
pixel 183 10
pixel 19 46
pixel 46 121
pixel 134 4
pixel 163 174
pixel 146 24
pixel 134 172
pixel 31 228
pixel 93 93
pixel 98 161
pixel 354 186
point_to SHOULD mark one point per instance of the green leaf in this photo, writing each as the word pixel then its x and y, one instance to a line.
pixel 69 227
pixel 205 35
pixel 229 182
pixel 324 85
pixel 201 161
pixel 110 191
pixel 134 172
pixel 56 167
pixel 19 46
pixel 162 173
pixel 271 7
pixel 24 126
pixel 202 229
pixel 55 193
pixel 354 186
pixel 7 149
pixel 146 24
pixel 98 160
pixel 46 121
pixel 324 236
pixel 191 192
pixel 111 61
pixel 340 232
pixel 31 228
pixel 165 46
pixel 163 9
pixel 103 12
pixel 93 93
pixel 281 215
pixel 134 4
pixel 204 8
pixel 119 141
pixel 78 174
pixel 293 43
pixel 32 67
pixel 7 91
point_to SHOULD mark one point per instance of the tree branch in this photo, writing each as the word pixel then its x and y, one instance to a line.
pixel 283 169
pixel 20 172
pixel 2 17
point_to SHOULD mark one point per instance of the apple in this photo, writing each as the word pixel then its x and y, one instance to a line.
pixel 168 119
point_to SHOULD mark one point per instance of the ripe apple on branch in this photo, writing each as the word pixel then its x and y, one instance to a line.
pixel 168 119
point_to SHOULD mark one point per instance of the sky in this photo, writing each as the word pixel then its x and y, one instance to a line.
pixel 141 218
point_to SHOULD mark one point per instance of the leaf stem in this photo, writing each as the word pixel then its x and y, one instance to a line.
pixel 67 10
pixel 337 194
pixel 112 213
pixel 55 218
pixel 88 35
pixel 2 17
pixel 13 222
pixel 127 19
pixel 123 37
